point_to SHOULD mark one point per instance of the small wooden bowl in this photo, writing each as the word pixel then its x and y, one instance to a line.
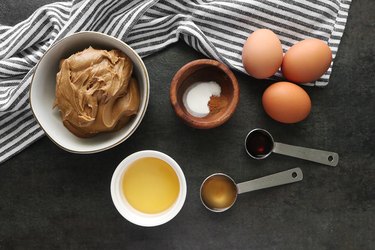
pixel 205 70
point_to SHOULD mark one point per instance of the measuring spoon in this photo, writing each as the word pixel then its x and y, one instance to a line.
pixel 219 191
pixel 259 144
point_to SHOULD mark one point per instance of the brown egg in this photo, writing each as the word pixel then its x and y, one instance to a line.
pixel 306 61
pixel 286 102
pixel 262 54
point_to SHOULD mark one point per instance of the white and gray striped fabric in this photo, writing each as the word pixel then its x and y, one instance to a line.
pixel 217 28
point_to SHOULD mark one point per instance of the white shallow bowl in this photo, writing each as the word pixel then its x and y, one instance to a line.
pixel 42 93
pixel 133 215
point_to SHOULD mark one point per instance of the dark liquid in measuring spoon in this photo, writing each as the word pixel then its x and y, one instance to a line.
pixel 259 144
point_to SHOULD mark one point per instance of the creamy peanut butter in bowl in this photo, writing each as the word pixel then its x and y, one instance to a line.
pixel 89 92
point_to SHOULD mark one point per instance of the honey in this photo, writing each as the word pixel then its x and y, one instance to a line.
pixel 150 185
pixel 218 192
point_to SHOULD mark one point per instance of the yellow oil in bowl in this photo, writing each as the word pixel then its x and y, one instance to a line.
pixel 150 185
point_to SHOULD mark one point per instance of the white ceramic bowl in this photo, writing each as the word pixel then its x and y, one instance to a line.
pixel 133 215
pixel 42 93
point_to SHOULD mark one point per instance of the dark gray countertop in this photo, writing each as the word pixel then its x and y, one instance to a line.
pixel 56 200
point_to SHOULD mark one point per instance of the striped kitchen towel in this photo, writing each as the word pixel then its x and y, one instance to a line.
pixel 216 28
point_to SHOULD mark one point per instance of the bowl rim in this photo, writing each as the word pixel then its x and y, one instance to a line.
pixel 198 122
pixel 131 214
pixel 147 90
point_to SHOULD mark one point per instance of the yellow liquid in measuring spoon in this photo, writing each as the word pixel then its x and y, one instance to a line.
pixel 150 185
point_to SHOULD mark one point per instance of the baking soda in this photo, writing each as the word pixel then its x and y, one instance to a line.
pixel 197 97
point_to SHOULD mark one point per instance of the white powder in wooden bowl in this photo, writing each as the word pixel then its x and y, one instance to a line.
pixel 197 97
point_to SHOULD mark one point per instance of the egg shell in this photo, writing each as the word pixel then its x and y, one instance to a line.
pixel 262 54
pixel 306 61
pixel 286 102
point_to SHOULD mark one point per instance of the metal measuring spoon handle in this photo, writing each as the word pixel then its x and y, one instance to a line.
pixel 315 155
pixel 273 180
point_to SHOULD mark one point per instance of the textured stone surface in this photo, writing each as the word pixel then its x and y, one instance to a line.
pixel 56 200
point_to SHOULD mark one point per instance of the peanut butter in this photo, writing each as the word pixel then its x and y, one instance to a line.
pixel 95 91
